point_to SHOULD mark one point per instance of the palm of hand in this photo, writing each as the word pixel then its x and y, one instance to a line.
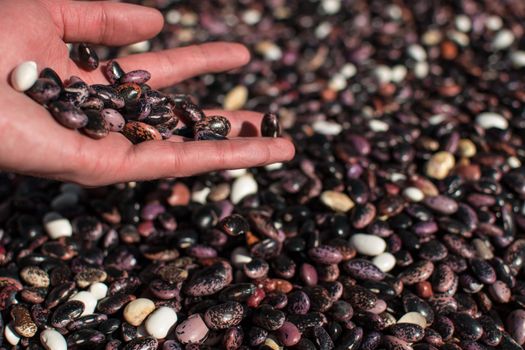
pixel 33 143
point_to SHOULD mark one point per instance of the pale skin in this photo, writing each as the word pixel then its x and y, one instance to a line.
pixel 34 143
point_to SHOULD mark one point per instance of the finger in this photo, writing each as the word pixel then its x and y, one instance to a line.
pixel 103 22
pixel 172 66
pixel 152 160
pixel 243 123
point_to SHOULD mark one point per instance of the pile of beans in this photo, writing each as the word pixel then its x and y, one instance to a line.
pixel 127 105
pixel 398 225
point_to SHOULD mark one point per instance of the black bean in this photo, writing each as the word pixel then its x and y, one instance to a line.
pixel 113 71
pixel 44 90
pixel 68 115
pixel 270 125
pixel 269 318
pixel 87 57
pixel 66 313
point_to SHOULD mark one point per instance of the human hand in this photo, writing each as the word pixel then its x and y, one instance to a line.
pixel 34 143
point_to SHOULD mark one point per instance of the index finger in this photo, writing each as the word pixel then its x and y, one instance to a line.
pixel 174 65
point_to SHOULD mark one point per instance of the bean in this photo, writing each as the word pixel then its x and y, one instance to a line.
pixel 96 127
pixel 68 115
pixel 136 76
pixel 44 91
pixel 87 57
pixel 270 125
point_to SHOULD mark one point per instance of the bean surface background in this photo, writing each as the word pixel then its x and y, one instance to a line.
pixel 399 224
